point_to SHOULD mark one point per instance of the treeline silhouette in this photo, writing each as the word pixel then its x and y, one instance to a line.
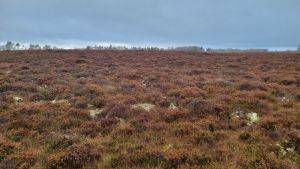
pixel 11 46
pixel 17 46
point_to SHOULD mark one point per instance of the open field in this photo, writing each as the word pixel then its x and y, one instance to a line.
pixel 138 109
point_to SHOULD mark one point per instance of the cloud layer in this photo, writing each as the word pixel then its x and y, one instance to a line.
pixel 230 23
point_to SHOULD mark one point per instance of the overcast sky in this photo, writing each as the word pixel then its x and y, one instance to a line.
pixel 218 23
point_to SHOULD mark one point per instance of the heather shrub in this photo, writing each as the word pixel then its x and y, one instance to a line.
pixel 24 68
pixel 294 139
pixel 123 130
pixel 289 81
pixel 249 86
pixel 269 125
pixel 235 123
pixel 16 87
pixel 81 102
pixel 175 158
pixel 172 115
pixel 199 108
pixel 89 91
pixel 128 87
pixel 76 156
pixel 199 159
pixel 269 161
pixel 139 121
pixel 29 109
pixel 297 97
pixel 18 124
pixel 142 158
pixel 90 128
pixel 98 102
pixel 207 138
pixel 49 94
pixel 158 127
pixel 7 147
pixel 77 114
pixel 200 84
pixel 80 61
pixel 8 163
pixel 195 72
pixel 27 159
pixel 248 103
pixel 68 123
pixel 112 110
pixel 36 97
pixel 225 84
pixel 17 134
pixel 245 136
pixel 107 124
pixel 58 142
pixel 260 95
pixel 131 75
pixel 187 92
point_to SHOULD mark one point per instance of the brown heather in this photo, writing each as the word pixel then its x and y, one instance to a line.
pixel 141 109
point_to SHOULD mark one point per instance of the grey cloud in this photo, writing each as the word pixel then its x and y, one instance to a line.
pixel 231 23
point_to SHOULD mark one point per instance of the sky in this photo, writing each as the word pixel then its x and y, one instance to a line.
pixel 163 23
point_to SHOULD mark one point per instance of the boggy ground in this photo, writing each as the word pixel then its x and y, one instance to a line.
pixel 138 109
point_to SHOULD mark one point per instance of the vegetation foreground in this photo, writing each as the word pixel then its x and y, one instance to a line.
pixel 139 109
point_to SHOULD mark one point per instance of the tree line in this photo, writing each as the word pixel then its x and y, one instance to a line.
pixel 17 46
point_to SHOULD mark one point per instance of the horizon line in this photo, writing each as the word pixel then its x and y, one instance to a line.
pixel 83 44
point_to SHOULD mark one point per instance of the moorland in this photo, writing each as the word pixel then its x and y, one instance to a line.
pixel 149 109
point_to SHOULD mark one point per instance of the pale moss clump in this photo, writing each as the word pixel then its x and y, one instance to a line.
pixel 62 101
pixel 253 118
pixel 173 106
pixel 145 106
pixel 17 99
pixel 94 113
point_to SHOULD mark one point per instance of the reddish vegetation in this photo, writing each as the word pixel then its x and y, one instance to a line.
pixel 202 109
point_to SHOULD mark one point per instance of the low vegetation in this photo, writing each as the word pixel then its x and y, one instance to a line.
pixel 149 109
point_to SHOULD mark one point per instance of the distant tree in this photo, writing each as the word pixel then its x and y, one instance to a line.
pixel 88 48
pixel 38 47
pixel 9 45
pixel 23 47
pixel 31 47
pixel 34 47
pixel 208 49
pixel 190 48
pixel 17 46
pixel 298 48
pixel 46 47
